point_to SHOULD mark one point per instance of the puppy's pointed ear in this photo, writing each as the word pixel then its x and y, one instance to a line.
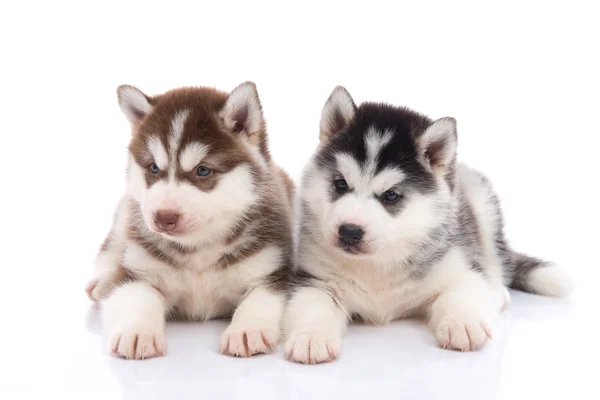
pixel 438 144
pixel 134 103
pixel 242 112
pixel 337 113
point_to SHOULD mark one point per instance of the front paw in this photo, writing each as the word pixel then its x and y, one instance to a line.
pixel 138 344
pixel 313 347
pixel 462 333
pixel 98 288
pixel 246 340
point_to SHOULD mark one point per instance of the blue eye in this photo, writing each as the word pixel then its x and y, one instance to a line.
pixel 341 186
pixel 390 196
pixel 154 168
pixel 203 171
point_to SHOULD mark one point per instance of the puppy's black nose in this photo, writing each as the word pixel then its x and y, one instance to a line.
pixel 350 234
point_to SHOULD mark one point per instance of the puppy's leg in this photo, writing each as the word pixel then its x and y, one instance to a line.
pixel 108 274
pixel 134 315
pixel 108 271
pixel 461 314
pixel 256 324
pixel 314 325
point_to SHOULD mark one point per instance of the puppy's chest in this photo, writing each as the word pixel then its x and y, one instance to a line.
pixel 380 298
pixel 198 287
pixel 204 294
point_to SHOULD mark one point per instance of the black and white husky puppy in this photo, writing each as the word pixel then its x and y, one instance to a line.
pixel 393 226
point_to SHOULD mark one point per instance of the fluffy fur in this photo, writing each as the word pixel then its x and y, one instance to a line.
pixel 204 228
pixel 393 226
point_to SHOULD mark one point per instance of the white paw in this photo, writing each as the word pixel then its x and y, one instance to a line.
pixel 462 334
pixel 138 345
pixel 312 348
pixel 245 341
pixel 98 288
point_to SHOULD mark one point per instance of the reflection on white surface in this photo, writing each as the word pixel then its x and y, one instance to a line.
pixel 528 356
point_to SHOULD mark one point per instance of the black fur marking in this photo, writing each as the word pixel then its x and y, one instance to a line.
pixel 344 142
pixel 401 152
pixel 522 267
pixel 468 235
pixel 285 278
pixel 476 266
pixel 428 252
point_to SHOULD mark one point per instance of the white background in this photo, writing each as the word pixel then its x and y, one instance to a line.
pixel 522 80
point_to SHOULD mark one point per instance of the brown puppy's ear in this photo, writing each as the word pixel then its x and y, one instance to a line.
pixel 134 103
pixel 438 144
pixel 337 112
pixel 242 112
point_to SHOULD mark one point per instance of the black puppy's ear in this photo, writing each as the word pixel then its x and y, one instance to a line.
pixel 438 144
pixel 337 112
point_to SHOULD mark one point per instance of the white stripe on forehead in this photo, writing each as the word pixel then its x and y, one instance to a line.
pixel 159 154
pixel 374 142
pixel 191 155
pixel 366 180
pixel 177 125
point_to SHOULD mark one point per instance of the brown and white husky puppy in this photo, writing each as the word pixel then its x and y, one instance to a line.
pixel 204 228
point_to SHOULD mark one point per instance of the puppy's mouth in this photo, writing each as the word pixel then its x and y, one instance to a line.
pixel 169 233
pixel 352 250
pixel 178 231
pixel 173 233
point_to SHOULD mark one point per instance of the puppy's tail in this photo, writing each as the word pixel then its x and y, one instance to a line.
pixel 536 276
